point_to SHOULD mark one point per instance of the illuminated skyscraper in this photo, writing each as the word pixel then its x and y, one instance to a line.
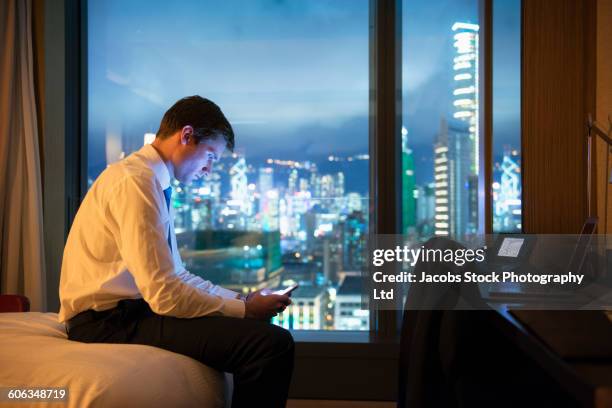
pixel 464 137
pixel 465 93
pixel 315 184
pixel 266 179
pixel 462 188
pixel 339 185
pixel 238 180
pixel 304 185
pixel 292 183
pixel 271 212
pixel 354 202
pixel 441 182
pixel 305 311
pixel 327 186
pixel 408 200
pixel 454 181
pixel 268 199
pixel 354 235
pixel 348 313
pixel 236 210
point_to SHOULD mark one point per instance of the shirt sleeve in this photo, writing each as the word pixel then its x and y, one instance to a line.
pixel 136 207
pixel 208 286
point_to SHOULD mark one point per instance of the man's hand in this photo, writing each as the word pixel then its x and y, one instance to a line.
pixel 263 305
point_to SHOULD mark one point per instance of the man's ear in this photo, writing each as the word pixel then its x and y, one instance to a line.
pixel 186 134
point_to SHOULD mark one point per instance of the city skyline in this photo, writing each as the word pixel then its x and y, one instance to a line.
pixel 291 203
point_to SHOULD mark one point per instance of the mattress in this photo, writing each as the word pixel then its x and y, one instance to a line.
pixel 35 352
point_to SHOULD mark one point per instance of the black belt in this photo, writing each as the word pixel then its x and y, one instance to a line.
pixel 125 306
pixel 86 317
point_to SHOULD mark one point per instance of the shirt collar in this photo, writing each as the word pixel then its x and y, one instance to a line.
pixel 157 165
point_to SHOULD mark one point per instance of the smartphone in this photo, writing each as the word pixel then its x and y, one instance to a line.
pixel 287 290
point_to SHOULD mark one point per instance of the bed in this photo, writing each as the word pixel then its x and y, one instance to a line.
pixel 35 352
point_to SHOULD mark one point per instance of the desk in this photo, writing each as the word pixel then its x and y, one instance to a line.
pixel 588 380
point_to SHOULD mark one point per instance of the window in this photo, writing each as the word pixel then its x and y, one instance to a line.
pixel 291 204
pixel 441 138
pixel 507 116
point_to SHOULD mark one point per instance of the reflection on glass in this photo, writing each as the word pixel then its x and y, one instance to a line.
pixel 291 204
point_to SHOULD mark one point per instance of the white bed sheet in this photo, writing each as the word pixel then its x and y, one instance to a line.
pixel 35 352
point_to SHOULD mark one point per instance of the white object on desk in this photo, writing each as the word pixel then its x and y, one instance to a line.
pixel 511 247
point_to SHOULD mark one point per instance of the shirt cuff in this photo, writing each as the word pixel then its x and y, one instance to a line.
pixel 233 308
pixel 226 293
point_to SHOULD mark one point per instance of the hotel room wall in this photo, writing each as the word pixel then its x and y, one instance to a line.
pixel 558 91
pixel 604 107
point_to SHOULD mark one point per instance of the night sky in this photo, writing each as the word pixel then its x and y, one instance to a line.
pixel 291 76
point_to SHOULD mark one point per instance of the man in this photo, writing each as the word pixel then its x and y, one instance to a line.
pixel 123 280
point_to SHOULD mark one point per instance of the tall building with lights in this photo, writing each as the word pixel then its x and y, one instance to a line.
pixel 238 180
pixel 239 207
pixel 306 311
pixel 348 314
pixel 464 132
pixel 441 182
pixel 339 184
pixel 465 92
pixel 292 182
pixel 454 181
pixel 408 183
pixel 354 245
pixel 268 200
pixel 266 180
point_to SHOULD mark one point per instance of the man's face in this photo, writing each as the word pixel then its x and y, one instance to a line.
pixel 192 161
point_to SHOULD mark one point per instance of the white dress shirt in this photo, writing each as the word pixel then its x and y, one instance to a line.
pixel 118 248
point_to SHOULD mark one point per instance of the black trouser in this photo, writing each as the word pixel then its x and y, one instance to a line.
pixel 258 354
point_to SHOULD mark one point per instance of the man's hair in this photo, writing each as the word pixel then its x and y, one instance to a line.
pixel 203 115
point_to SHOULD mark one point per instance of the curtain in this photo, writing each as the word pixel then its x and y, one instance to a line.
pixel 21 231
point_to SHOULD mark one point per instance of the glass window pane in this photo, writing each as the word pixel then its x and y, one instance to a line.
pixel 291 204
pixel 507 116
pixel 440 134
